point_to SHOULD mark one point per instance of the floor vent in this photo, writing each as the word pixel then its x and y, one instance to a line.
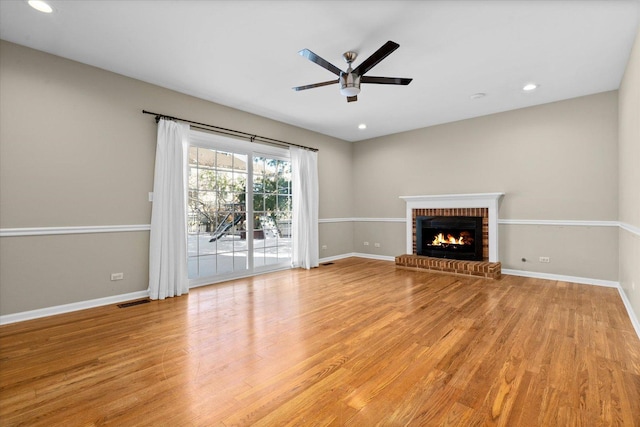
pixel 328 263
pixel 132 303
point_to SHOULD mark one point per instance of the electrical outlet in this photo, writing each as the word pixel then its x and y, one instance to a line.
pixel 366 243
pixel 117 276
pixel 377 245
pixel 544 259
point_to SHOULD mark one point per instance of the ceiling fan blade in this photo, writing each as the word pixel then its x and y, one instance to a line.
pixel 311 86
pixel 352 98
pixel 377 56
pixel 385 80
pixel 321 62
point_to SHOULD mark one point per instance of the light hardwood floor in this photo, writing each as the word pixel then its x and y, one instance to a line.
pixel 356 343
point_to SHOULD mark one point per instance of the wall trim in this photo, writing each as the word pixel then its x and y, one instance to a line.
pixel 533 274
pixel 68 308
pixel 358 255
pixel 374 256
pixel 630 228
pixel 578 223
pixel 330 220
pixel 632 315
pixel 402 220
pixel 83 229
pixel 585 281
pixel 336 257
pixel 89 229
pixel 557 222
pixel 82 305
pixel 522 273
pixel 360 219
pixel 562 278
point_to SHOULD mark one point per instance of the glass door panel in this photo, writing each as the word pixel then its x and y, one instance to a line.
pixel 216 212
pixel 271 211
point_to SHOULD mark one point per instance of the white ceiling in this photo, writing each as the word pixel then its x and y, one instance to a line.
pixel 244 53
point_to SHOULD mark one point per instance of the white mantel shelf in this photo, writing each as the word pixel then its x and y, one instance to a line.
pixel 491 201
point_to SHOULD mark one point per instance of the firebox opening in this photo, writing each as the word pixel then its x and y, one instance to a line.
pixel 454 237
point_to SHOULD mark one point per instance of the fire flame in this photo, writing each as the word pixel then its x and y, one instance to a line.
pixel 440 240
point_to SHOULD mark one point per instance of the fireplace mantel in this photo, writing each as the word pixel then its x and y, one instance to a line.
pixel 450 201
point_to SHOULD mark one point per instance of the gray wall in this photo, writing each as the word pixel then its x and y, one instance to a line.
pixel 76 150
pixel 556 161
pixel 629 176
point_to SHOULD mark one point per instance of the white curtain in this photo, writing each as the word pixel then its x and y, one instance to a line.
pixel 304 166
pixel 168 275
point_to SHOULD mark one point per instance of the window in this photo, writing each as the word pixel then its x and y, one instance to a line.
pixel 239 208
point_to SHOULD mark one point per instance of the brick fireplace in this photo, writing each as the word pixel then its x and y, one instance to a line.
pixel 478 205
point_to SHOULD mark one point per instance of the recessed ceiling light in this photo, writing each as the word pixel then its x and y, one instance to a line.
pixel 529 87
pixel 478 95
pixel 40 6
pixel 362 126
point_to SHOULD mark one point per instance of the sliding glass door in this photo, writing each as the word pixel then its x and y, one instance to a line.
pixel 271 211
pixel 239 208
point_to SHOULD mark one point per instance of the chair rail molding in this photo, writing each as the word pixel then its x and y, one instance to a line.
pixel 83 229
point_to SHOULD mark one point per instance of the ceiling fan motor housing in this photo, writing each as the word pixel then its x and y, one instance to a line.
pixel 349 84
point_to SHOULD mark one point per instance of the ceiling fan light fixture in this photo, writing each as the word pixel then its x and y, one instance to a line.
pixel 349 84
pixel 40 6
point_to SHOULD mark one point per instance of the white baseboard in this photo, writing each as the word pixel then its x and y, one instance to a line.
pixel 82 305
pixel 584 281
pixel 373 256
pixel 68 308
pixel 562 278
pixel 336 257
pixel 533 274
pixel 632 315
pixel 358 255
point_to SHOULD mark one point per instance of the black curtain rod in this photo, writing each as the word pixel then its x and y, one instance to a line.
pixel 230 132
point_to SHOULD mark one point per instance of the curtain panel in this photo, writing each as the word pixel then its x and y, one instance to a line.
pixel 168 275
pixel 304 165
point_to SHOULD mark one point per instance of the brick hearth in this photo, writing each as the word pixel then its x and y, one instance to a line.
pixel 490 270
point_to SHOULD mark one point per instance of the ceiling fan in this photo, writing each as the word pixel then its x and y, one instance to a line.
pixel 351 79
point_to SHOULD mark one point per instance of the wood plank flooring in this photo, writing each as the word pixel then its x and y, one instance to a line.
pixel 356 343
